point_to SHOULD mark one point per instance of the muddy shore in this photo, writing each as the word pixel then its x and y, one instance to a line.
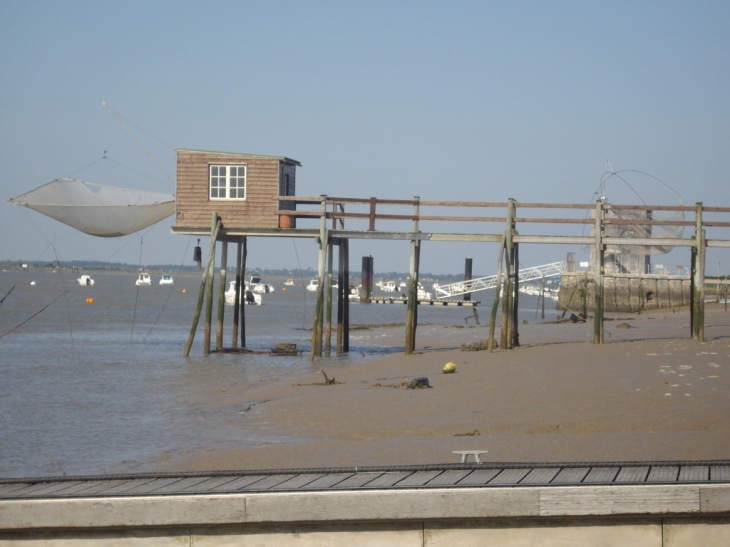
pixel 649 393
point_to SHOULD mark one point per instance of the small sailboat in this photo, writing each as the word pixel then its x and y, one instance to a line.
pixel 143 279
pixel 85 281
pixel 167 280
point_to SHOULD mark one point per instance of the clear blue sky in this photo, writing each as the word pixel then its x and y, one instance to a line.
pixel 444 100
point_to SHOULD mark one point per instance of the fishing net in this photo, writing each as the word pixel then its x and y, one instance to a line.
pixel 98 210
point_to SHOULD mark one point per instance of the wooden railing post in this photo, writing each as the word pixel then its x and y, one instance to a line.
pixel 316 350
pixel 372 214
pixel 507 300
pixel 412 312
pixel 598 273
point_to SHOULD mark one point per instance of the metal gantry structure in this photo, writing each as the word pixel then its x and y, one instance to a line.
pixel 525 275
pixel 331 214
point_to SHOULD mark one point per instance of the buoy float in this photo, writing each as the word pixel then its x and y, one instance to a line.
pixel 184 290
pixel 283 289
pixel 449 368
pixel 89 300
pixel 32 282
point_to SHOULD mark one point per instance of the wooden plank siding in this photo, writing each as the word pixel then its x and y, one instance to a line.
pixel 265 177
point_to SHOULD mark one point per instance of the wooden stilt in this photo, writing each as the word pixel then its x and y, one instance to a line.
pixel 506 331
pixel 700 278
pixel 342 294
pixel 243 292
pixel 495 304
pixel 598 273
pixel 209 298
pixel 316 350
pixel 201 292
pixel 221 296
pixel 412 312
pixel 328 314
pixel 346 301
pixel 515 330
pixel 237 296
pixel 365 280
pixel 467 276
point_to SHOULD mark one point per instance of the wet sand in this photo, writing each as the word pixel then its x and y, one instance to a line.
pixel 649 393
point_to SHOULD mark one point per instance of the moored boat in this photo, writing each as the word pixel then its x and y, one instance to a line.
pixel 167 280
pixel 85 281
pixel 143 279
pixel 247 296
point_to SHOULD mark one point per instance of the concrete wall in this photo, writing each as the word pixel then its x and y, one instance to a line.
pixel 625 293
pixel 688 515
pixel 607 532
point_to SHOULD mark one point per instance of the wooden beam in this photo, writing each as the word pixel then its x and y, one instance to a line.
pixel 598 272
pixel 201 291
pixel 316 350
pixel 209 294
pixel 328 314
pixel 243 283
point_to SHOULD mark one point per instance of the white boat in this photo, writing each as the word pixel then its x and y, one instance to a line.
pixel 258 286
pixel 85 281
pixel 167 280
pixel 390 286
pixel 247 296
pixel 289 283
pixel 313 285
pixel 423 294
pixel 353 293
pixel 143 279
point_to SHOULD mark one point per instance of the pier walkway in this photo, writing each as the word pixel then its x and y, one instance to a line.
pixel 507 504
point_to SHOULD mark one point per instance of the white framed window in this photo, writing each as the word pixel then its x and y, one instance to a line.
pixel 227 182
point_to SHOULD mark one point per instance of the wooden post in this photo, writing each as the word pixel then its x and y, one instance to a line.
pixel 221 296
pixel 506 331
pixel 412 312
pixel 598 271
pixel 697 285
pixel 343 293
pixel 365 280
pixel 237 296
pixel 346 301
pixel 316 350
pixel 495 304
pixel 371 227
pixel 515 327
pixel 243 284
pixel 467 276
pixel 209 296
pixel 701 282
pixel 328 315
pixel 201 292
pixel 543 296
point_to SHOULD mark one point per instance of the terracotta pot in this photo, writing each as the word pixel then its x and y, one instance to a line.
pixel 285 221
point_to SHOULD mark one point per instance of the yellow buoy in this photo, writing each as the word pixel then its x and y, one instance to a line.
pixel 184 290
pixel 283 289
pixel 89 300
pixel 449 368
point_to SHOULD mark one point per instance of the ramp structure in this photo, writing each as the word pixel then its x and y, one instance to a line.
pixel 490 282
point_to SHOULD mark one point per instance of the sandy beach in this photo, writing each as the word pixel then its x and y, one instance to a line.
pixel 649 393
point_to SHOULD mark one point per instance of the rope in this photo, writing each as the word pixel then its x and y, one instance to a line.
pixel 60 273
pixel 7 294
pixel 136 295
pixel 172 287
pixel 32 316
pixel 138 143
pixel 304 292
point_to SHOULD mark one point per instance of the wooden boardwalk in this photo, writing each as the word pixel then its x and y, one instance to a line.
pixel 484 475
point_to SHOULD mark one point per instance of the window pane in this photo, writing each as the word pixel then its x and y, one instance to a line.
pixel 214 171
pixel 214 192
pixel 222 193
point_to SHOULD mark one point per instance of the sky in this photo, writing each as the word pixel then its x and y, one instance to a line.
pixel 479 101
